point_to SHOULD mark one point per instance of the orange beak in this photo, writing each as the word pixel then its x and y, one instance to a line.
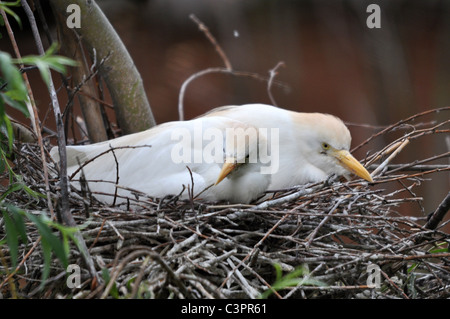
pixel 227 168
pixel 350 163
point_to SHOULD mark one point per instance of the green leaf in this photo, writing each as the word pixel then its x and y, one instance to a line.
pixel 33 193
pixel 440 248
pixel 15 227
pixel 6 128
pixel 20 226
pixel 47 252
pixel 48 61
pixel 53 241
pixel 11 238
pixel 17 217
pixel 15 84
pixel 295 278
pixel 106 277
pixel 15 101
pixel 4 6
pixel 44 70
pixel 67 233
pixel 11 189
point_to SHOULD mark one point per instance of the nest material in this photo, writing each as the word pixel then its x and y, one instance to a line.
pixel 348 239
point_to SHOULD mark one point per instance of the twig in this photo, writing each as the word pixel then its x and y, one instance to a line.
pixel 139 277
pixel 211 71
pixel 409 167
pixel 311 236
pixel 22 262
pixel 189 80
pixel 34 115
pixel 32 105
pixel 394 285
pixel 273 73
pixel 254 248
pixel 398 149
pixel 438 215
pixel 117 175
pixel 65 216
pixel 101 154
pixel 399 123
pixel 249 290
pixel 213 41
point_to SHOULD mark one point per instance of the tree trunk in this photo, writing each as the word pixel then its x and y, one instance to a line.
pixel 121 76
pixel 90 108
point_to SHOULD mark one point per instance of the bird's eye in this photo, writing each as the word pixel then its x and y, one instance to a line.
pixel 325 146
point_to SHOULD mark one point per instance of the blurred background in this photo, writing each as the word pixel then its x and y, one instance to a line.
pixel 333 63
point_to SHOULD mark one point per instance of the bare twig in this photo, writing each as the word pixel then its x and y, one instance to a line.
pixel 117 174
pixel 438 215
pixel 399 124
pixel 212 71
pixel 398 149
pixel 213 41
pixel 273 73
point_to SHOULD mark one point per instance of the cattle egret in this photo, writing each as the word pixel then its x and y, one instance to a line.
pixel 312 146
pixel 156 162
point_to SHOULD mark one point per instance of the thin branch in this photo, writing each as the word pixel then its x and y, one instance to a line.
pixel 101 154
pixel 438 215
pixel 213 41
pixel 273 73
pixel 64 216
pixel 34 115
pixel 218 70
pixel 117 174
pixel 389 159
pixel 399 124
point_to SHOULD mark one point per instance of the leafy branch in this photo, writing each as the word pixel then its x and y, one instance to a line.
pixel 13 92
pixel 47 61
pixel 15 228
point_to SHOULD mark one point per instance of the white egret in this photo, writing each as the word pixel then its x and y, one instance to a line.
pixel 312 146
pixel 223 162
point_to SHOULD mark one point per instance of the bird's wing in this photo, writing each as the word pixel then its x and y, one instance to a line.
pixel 144 161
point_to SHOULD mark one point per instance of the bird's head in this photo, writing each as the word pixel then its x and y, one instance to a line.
pixel 241 150
pixel 328 142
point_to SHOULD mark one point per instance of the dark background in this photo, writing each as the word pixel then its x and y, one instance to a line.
pixel 333 62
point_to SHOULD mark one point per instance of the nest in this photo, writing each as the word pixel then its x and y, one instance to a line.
pixel 337 239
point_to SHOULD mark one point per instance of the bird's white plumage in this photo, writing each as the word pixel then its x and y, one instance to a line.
pixel 308 147
pixel 302 158
pixel 144 162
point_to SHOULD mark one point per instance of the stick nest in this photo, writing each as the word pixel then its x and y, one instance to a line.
pixel 327 240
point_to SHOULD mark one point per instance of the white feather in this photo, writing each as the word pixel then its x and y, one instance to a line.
pixel 144 162
pixel 301 158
